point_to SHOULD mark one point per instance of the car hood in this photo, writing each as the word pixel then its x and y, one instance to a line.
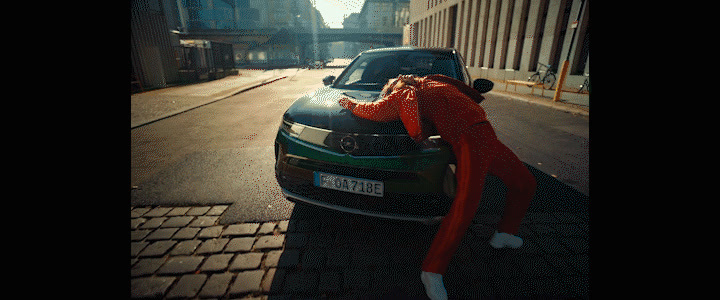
pixel 321 109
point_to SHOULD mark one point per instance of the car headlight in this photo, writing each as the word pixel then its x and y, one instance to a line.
pixel 309 134
pixel 292 128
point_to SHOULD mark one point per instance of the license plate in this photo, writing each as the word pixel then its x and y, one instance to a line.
pixel 349 184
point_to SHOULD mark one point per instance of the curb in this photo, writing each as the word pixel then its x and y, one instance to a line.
pixel 213 100
pixel 549 103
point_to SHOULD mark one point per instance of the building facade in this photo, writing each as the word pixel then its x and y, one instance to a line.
pixel 507 39
pixel 384 15
pixel 271 18
pixel 245 14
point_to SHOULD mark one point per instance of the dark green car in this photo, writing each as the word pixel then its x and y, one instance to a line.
pixel 328 157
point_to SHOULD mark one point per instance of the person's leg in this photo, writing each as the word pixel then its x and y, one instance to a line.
pixel 521 189
pixel 473 162
pixel 520 184
pixel 470 173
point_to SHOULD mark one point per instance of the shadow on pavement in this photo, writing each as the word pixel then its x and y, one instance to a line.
pixel 329 254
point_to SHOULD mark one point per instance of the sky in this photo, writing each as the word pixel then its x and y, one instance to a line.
pixel 335 11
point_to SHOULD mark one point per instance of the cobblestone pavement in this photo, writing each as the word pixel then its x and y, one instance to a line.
pixel 183 252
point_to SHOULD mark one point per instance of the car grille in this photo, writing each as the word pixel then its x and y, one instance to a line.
pixel 362 144
pixel 371 144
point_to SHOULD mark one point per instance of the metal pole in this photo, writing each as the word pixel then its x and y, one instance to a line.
pixel 563 70
pixel 183 14
pixel 313 18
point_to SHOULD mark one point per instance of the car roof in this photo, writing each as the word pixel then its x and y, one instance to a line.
pixel 409 48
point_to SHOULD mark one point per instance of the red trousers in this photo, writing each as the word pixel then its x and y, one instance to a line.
pixel 478 153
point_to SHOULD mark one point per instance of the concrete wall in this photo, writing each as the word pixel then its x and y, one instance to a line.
pixel 505 39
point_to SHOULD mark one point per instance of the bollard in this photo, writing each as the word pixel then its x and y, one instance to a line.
pixel 561 81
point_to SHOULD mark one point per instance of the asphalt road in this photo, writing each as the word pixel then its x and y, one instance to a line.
pixel 553 141
pixel 223 152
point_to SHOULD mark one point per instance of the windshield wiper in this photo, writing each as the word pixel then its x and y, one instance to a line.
pixel 364 84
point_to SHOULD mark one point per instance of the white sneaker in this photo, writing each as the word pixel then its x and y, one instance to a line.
pixel 502 240
pixel 434 287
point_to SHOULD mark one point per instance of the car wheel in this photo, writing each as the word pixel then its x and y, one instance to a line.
pixel 449 182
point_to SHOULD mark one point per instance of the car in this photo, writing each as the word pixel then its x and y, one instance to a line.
pixel 316 64
pixel 325 156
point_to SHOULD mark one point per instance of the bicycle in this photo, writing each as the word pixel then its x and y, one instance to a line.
pixel 548 80
pixel 586 84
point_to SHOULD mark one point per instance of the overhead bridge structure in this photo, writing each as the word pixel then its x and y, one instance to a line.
pixel 324 35
pixel 289 46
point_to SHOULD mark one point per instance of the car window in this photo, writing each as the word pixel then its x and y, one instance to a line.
pixel 356 74
pixel 371 71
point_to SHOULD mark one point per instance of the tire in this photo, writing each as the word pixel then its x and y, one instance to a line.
pixel 535 78
pixel 549 81
pixel 449 182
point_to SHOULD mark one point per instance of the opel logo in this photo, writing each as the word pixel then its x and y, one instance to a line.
pixel 348 144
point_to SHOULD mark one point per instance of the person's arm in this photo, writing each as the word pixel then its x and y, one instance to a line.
pixel 382 110
pixel 410 114
pixel 401 103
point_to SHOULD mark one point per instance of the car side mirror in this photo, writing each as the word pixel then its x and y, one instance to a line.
pixel 328 80
pixel 483 85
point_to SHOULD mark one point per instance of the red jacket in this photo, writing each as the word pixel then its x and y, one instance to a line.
pixel 450 104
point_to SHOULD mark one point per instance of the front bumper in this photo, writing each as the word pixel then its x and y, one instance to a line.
pixel 413 182
pixel 429 220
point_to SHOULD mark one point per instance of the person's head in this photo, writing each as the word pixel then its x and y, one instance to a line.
pixel 397 83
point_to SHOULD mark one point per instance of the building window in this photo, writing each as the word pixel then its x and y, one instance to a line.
pixel 494 35
pixel 559 38
pixel 521 34
pixel 538 35
pixel 452 19
pixel 506 33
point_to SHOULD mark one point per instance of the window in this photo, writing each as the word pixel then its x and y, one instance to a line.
pixel 538 35
pixel 521 34
pixel 371 71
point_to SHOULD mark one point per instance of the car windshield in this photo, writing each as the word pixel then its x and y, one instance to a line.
pixel 371 71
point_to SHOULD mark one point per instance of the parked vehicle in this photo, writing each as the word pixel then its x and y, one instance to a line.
pixel 316 64
pixel 326 156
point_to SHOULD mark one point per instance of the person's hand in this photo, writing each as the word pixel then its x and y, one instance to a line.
pixel 346 103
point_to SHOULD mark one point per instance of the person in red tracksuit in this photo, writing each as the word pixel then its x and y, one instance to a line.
pixel 452 107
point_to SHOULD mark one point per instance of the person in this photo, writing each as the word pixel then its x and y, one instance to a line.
pixel 452 107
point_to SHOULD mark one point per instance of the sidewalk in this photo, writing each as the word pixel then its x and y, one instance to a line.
pixel 569 102
pixel 150 106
